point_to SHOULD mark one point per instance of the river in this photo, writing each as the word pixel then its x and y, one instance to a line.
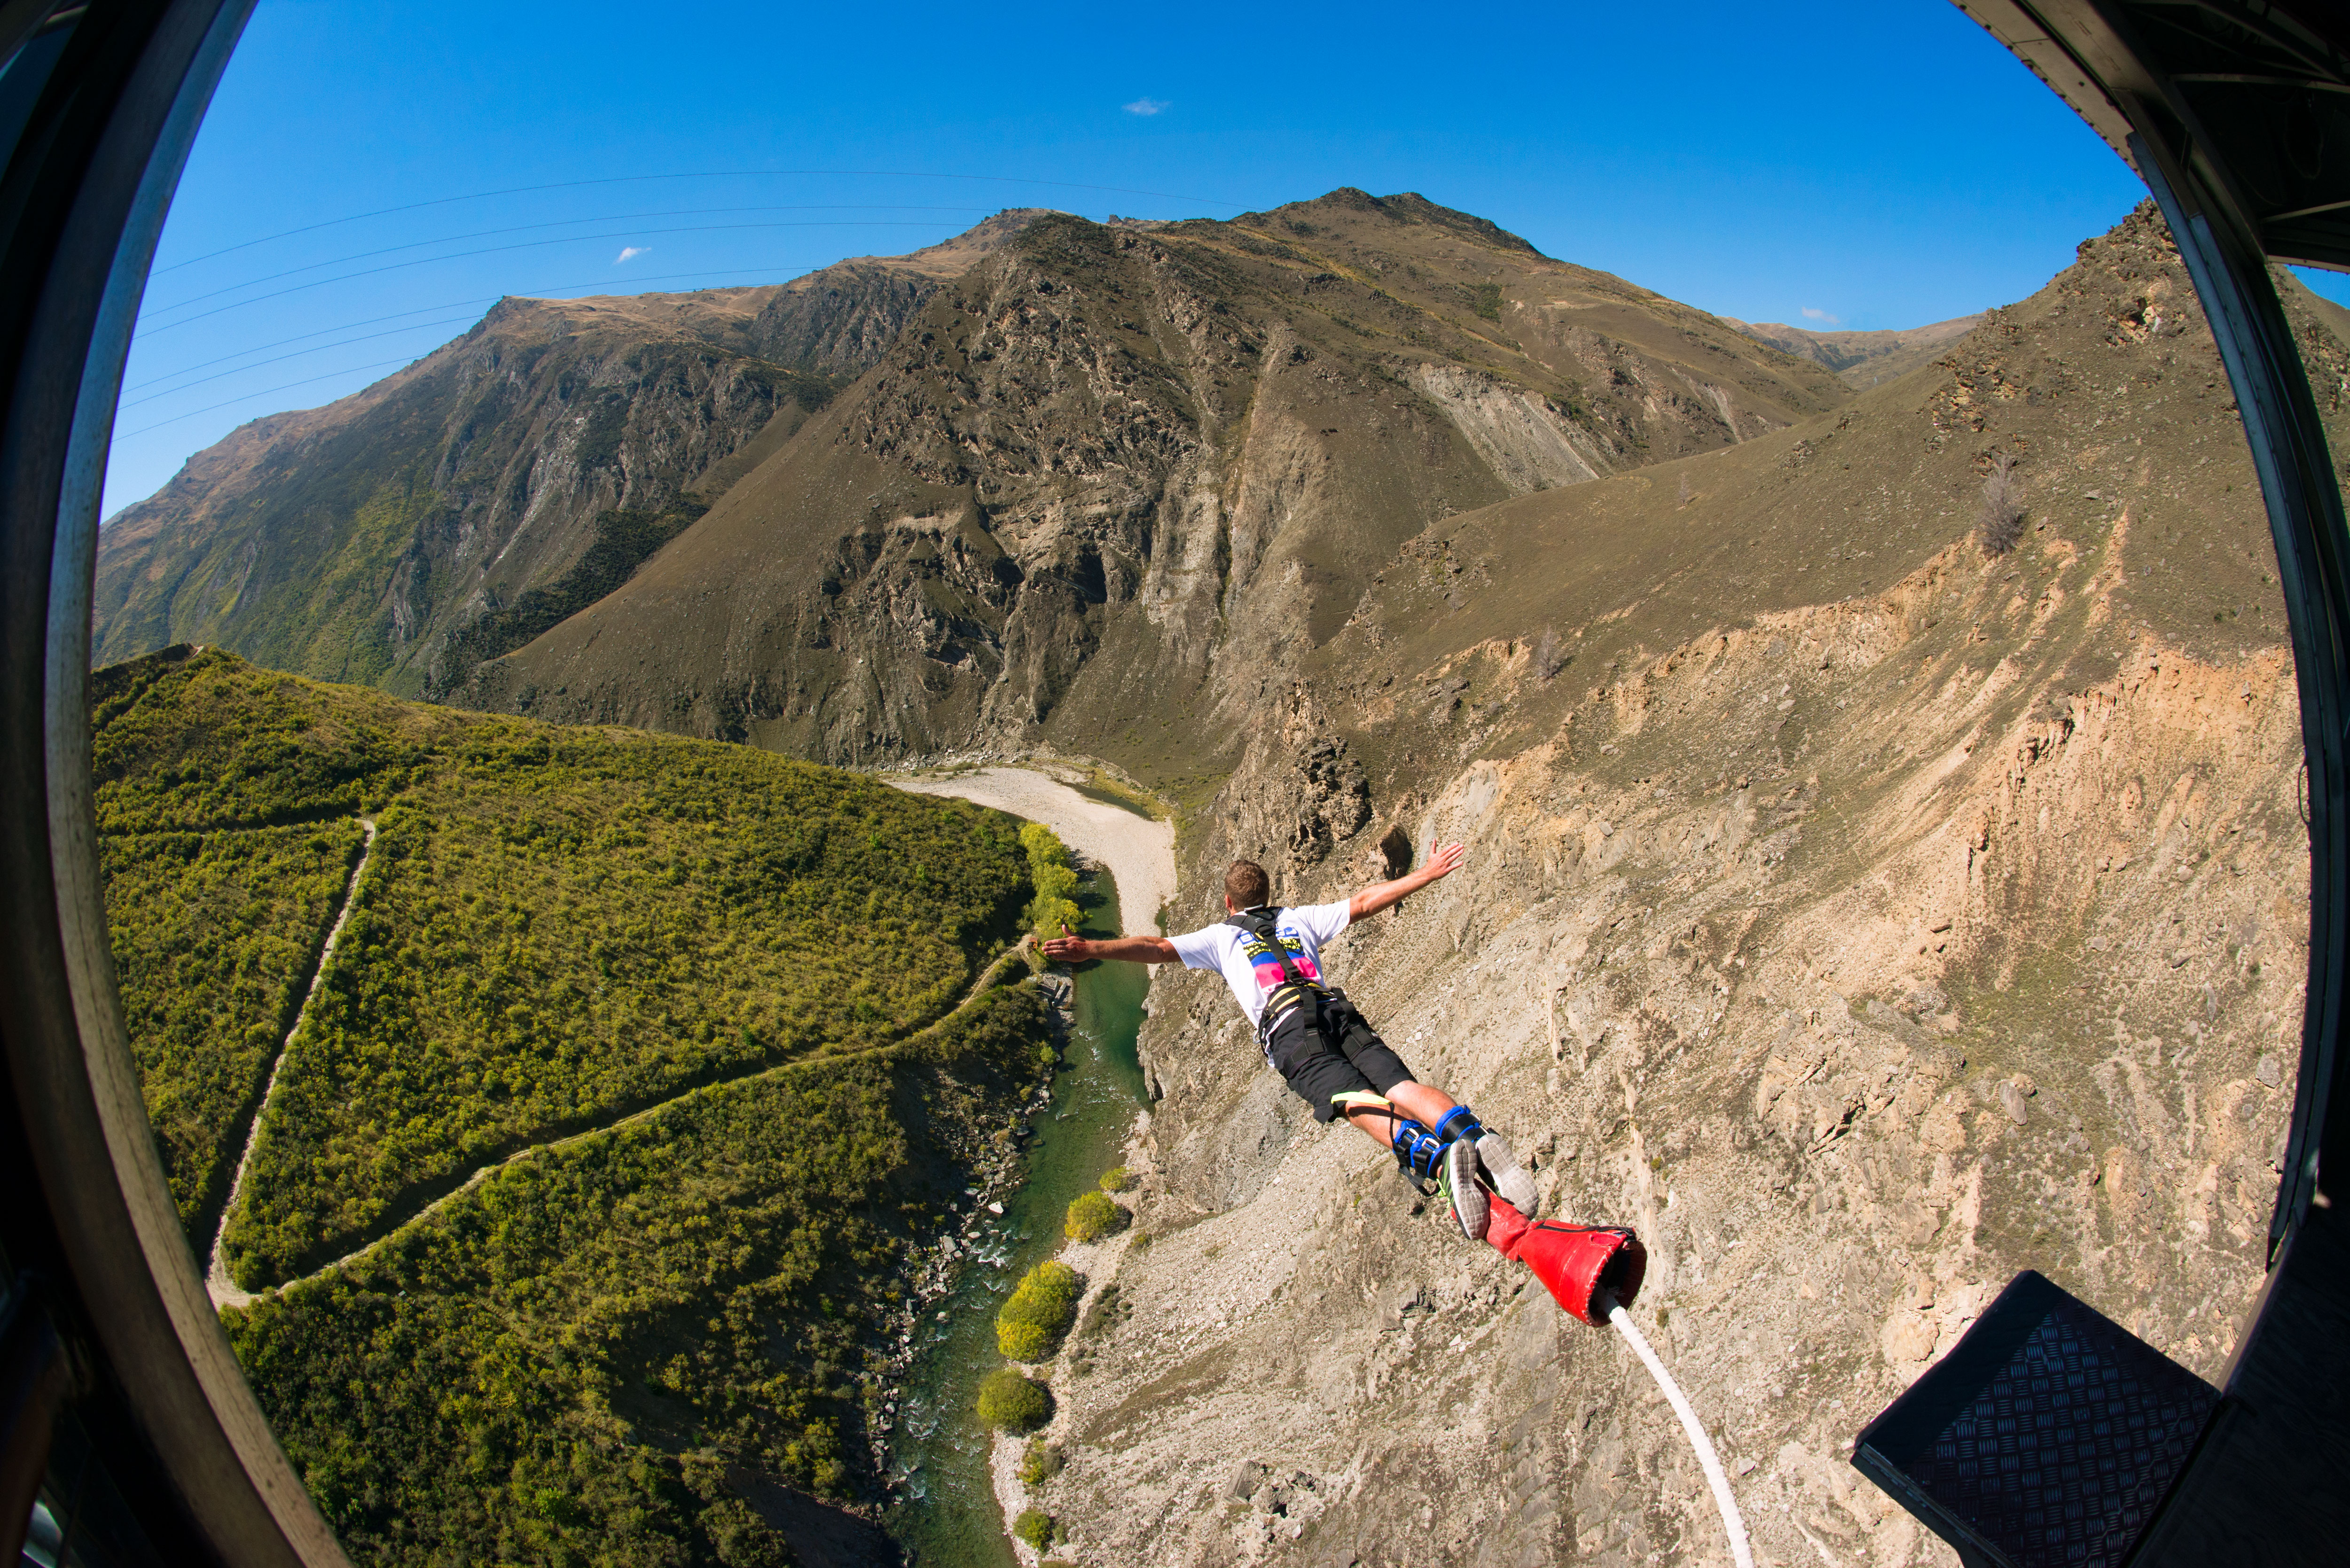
pixel 947 1515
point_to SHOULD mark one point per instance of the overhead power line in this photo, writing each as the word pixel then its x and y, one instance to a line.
pixel 307 380
pixel 544 291
pixel 493 250
pixel 703 175
pixel 553 224
pixel 304 337
pixel 257 364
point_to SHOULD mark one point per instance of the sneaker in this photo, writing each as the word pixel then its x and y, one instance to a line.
pixel 1458 1181
pixel 1513 1181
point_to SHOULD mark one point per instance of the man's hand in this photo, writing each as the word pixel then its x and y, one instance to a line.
pixel 1068 949
pixel 1371 900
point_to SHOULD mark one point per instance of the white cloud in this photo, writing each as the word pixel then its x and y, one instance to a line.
pixel 1810 314
pixel 1147 107
pixel 631 252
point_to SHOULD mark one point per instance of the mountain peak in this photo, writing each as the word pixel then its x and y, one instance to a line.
pixel 1349 203
pixel 952 258
pixel 1520 373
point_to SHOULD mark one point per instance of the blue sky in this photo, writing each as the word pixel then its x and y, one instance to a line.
pixel 1869 165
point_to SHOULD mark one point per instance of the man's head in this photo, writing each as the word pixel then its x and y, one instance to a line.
pixel 1246 885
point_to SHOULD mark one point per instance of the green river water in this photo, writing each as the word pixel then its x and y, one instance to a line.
pixel 946 1515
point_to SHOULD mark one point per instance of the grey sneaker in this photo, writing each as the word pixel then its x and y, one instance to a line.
pixel 1458 1181
pixel 1513 1181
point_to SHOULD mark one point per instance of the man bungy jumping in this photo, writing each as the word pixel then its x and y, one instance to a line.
pixel 1325 1050
pixel 1321 1045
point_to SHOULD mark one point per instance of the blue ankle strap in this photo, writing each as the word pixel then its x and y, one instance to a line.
pixel 1417 1149
pixel 1405 1132
pixel 1427 1158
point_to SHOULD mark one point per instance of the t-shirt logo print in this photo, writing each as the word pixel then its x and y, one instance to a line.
pixel 1267 964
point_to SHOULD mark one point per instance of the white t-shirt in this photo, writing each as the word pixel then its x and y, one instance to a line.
pixel 1254 975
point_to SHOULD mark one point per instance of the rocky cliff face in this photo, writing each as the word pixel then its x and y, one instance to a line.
pixel 1117 469
pixel 353 542
pixel 1861 915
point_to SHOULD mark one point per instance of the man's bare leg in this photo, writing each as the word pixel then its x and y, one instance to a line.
pixel 1422 1103
pixel 1428 1105
pixel 1416 1110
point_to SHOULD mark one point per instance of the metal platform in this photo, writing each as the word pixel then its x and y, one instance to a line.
pixel 2050 1435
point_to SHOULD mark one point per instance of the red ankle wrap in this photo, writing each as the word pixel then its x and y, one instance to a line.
pixel 1574 1262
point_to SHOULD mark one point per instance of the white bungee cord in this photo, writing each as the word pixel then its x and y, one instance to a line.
pixel 1707 1459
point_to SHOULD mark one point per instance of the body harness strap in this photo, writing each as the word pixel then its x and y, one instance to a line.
pixel 1418 1150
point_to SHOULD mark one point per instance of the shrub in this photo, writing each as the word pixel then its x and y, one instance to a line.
pixel 1116 1179
pixel 1550 658
pixel 1011 1403
pixel 1039 1312
pixel 1039 1462
pixel 1035 1527
pixel 1050 873
pixel 1092 1217
pixel 1022 1341
pixel 1109 1308
pixel 2002 522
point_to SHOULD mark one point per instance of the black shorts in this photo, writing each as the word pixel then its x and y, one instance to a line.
pixel 1310 1064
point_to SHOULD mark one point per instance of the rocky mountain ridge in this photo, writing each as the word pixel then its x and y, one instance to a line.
pixel 1419 361
pixel 1115 467
pixel 353 542
pixel 1863 359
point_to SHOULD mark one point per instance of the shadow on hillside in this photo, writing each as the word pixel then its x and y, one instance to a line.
pixel 821 1535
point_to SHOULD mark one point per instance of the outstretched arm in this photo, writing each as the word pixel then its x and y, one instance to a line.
pixel 1066 949
pixel 1371 900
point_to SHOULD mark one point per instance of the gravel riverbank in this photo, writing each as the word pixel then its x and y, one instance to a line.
pixel 1139 852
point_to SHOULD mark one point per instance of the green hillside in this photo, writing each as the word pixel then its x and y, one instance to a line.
pixel 214 938
pixel 703 1023
pixel 573 1362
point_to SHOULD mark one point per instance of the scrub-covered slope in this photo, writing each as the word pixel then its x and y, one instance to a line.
pixel 639 1073
pixel 1124 466
pixel 1861 914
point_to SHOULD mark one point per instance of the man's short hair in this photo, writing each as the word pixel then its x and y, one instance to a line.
pixel 1247 886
